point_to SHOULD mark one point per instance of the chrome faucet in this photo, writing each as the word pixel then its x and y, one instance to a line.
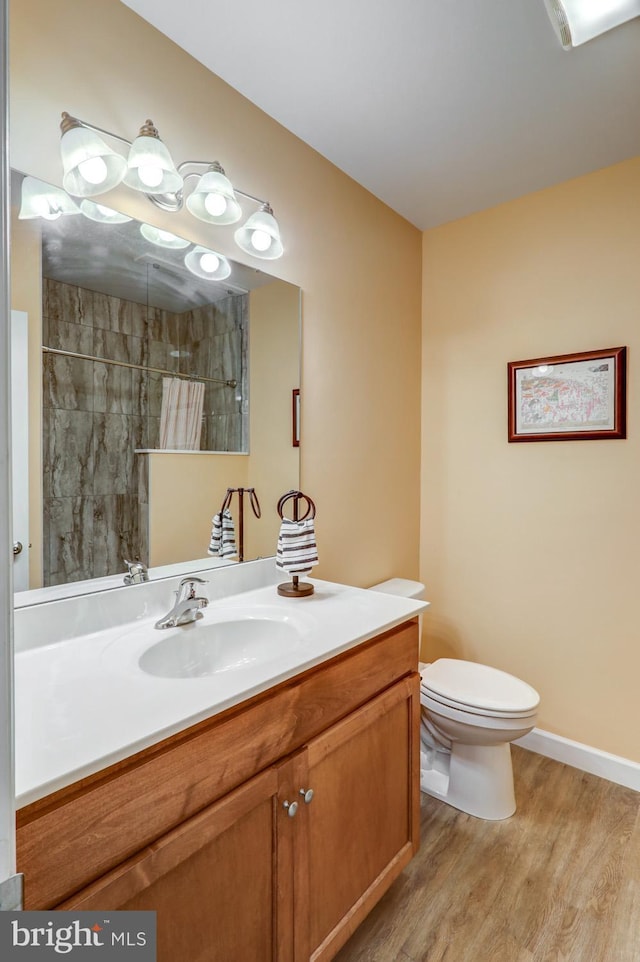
pixel 187 604
pixel 136 573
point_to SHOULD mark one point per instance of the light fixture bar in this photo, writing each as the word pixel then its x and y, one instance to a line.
pixel 92 168
pixel 258 200
pixel 175 201
pixel 97 130
pixel 209 163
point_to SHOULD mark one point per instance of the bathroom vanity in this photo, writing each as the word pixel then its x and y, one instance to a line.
pixel 264 832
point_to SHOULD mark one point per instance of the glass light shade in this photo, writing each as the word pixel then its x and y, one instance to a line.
pixel 102 214
pixel 43 200
pixel 207 264
pixel 576 21
pixel 260 235
pixel 163 238
pixel 150 167
pixel 213 199
pixel 90 167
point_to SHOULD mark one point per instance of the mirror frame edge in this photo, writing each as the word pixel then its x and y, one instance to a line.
pixel 7 804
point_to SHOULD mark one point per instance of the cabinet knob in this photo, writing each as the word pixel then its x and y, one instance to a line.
pixel 291 807
pixel 307 795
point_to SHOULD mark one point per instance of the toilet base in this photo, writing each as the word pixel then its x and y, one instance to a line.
pixel 479 780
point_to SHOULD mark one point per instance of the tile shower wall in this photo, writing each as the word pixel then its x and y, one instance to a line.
pixel 209 341
pixel 96 415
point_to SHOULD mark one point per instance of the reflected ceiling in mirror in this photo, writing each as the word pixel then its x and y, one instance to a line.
pixel 121 318
pixel 116 259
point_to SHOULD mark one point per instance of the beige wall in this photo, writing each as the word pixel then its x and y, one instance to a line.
pixel 357 262
pixel 185 491
pixel 530 551
pixel 274 366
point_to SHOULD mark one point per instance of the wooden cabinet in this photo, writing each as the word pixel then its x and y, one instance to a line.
pixel 280 867
pixel 211 881
pixel 362 822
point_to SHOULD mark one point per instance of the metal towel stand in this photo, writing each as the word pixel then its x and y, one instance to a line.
pixel 296 588
pixel 255 507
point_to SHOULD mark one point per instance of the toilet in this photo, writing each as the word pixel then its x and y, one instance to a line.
pixel 470 715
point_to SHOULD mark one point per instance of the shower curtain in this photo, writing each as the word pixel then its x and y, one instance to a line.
pixel 181 414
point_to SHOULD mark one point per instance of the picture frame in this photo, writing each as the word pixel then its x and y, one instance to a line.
pixel 569 397
pixel 295 417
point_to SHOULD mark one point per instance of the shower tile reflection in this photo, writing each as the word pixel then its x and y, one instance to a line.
pixel 68 557
pixel 68 454
pixel 96 415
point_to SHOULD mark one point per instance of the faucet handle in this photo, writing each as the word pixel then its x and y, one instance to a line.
pixel 137 572
pixel 189 583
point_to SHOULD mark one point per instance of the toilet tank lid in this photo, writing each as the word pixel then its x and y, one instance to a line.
pixel 403 587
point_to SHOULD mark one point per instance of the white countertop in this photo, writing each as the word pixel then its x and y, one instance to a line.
pixel 83 703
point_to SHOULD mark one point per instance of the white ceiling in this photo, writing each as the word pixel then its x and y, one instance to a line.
pixel 439 107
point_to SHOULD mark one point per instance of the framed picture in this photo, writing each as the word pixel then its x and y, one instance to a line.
pixel 570 397
pixel 295 416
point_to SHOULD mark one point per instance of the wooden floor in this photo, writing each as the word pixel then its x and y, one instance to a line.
pixel 559 881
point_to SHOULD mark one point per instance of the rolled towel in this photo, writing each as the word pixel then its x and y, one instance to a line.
pixel 297 551
pixel 223 537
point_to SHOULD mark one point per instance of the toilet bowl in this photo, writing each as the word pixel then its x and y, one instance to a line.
pixel 470 715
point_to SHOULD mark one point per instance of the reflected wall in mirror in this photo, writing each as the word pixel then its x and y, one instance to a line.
pixel 150 392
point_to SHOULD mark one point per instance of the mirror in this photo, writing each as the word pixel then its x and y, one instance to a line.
pixel 150 392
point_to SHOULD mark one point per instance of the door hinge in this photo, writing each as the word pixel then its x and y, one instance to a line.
pixel 12 894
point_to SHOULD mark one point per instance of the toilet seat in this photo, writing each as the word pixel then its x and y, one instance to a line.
pixel 478 689
pixel 450 703
pixel 498 721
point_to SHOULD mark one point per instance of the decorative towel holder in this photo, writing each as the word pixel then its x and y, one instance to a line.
pixel 255 506
pixel 296 588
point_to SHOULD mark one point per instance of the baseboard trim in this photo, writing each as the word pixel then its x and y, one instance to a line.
pixel 612 767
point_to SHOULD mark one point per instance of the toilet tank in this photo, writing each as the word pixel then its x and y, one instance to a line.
pixel 400 586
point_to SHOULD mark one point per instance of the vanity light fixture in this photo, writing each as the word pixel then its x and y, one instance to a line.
pixel 150 168
pixel 213 199
pixel 207 264
pixel 102 214
pixel 201 261
pixel 43 200
pixel 260 235
pixel 576 21
pixel 163 238
pixel 89 165
pixel 92 168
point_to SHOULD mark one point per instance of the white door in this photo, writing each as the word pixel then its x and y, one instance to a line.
pixel 7 817
pixel 20 449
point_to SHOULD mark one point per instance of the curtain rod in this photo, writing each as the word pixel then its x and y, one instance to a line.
pixel 231 382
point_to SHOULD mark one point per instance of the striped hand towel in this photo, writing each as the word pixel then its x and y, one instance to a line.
pixel 297 551
pixel 223 536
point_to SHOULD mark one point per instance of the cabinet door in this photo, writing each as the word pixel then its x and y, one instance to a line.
pixel 362 825
pixel 212 881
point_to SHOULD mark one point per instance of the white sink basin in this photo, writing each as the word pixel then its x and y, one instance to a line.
pixel 227 644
